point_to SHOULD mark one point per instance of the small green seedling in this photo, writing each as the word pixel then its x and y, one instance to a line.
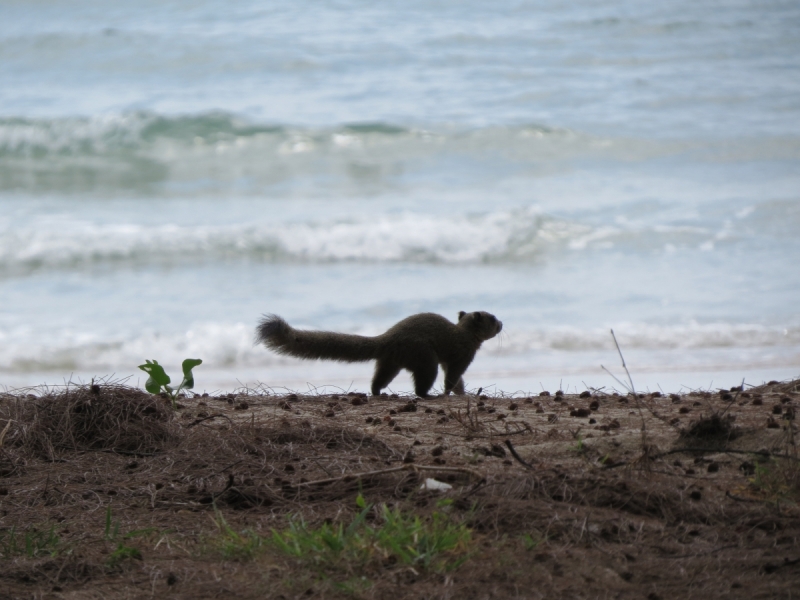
pixel 159 381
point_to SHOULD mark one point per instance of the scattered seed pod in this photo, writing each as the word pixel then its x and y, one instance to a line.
pixel 594 405
pixel 437 451
pixel 545 393
pixel 713 467
pixel 777 409
pixel 586 394
pixel 580 412
pixel 695 495
pixel 747 468
pixel 757 401
pixel 684 410
pixel 330 414
pixel 513 406
pixel 772 424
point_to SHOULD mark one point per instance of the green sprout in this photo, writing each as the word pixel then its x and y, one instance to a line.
pixel 158 381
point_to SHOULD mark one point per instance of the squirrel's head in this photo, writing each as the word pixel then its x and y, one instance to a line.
pixel 483 324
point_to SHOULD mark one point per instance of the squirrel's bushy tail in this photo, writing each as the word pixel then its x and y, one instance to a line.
pixel 277 335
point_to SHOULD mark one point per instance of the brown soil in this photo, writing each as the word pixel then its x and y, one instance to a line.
pixel 564 495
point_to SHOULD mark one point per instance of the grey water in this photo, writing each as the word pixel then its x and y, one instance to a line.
pixel 171 171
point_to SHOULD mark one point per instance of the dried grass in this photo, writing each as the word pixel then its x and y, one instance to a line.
pixel 108 417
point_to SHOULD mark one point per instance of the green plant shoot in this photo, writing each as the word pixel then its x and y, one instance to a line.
pixel 158 380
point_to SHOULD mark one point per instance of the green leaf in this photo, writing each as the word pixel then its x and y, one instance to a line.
pixel 158 378
pixel 188 365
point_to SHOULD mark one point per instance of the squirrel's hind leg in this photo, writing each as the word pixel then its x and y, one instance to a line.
pixel 385 371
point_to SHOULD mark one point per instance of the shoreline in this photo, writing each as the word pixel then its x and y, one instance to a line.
pixel 331 377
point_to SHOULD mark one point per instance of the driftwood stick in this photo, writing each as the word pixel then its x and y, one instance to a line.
pixel 408 467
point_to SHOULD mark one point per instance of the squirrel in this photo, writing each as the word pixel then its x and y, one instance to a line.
pixel 419 343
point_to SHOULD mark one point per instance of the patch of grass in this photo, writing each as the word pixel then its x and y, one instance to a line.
pixel 531 542
pixel 122 552
pixel 778 481
pixel 32 543
pixel 244 546
pixel 437 543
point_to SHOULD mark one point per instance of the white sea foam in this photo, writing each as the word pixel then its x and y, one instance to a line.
pixel 231 345
pixel 64 242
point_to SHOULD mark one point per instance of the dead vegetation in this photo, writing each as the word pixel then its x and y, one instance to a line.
pixel 106 491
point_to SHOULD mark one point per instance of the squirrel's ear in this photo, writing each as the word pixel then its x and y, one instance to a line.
pixel 461 314
pixel 478 316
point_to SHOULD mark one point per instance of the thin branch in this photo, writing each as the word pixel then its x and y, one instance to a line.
pixel 408 467
pixel 518 457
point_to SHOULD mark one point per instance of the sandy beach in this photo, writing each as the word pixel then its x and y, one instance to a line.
pixel 108 491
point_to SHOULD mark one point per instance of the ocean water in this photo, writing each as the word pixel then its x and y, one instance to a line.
pixel 169 172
